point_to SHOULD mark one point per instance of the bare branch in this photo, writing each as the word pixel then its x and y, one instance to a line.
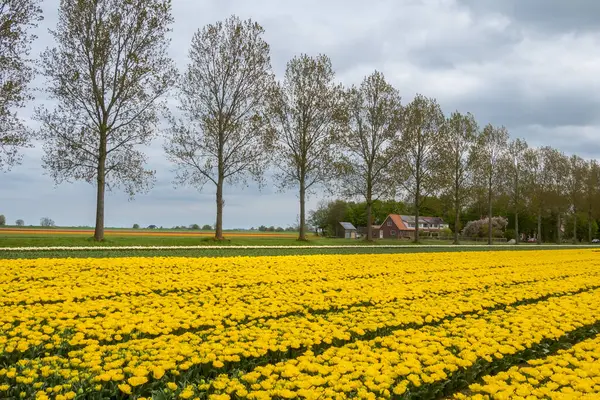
pixel 17 19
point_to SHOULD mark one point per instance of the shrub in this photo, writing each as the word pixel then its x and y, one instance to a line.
pixel 479 228
pixel 47 222
pixel 446 232
pixel 510 234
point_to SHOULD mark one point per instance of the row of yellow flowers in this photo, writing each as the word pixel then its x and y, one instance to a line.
pixel 155 314
pixel 571 374
pixel 256 339
pixel 410 362
pixel 113 320
pixel 210 324
pixel 44 280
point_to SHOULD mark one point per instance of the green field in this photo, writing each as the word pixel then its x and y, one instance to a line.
pixel 47 240
pixel 37 240
pixel 350 246
pixel 251 252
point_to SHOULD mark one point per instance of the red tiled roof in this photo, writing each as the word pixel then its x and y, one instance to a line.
pixel 398 222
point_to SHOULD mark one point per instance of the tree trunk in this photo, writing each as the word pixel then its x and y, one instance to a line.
pixel 369 225
pixel 416 224
pixel 456 225
pixel 101 181
pixel 369 199
pixel 517 238
pixel 539 230
pixel 219 224
pixel 558 233
pixel 517 196
pixel 220 183
pixel 456 202
pixel 574 226
pixel 417 193
pixel 302 235
pixel 490 211
pixel 590 225
pixel 99 229
pixel 456 218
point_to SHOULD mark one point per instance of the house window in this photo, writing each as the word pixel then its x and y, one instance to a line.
pixel 389 223
pixel 393 232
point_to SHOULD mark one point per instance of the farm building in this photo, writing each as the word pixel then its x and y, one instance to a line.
pixel 362 231
pixel 403 226
pixel 346 230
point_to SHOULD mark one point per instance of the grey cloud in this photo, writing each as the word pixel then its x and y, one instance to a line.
pixel 449 53
pixel 550 16
pixel 506 104
pixel 581 140
pixel 512 62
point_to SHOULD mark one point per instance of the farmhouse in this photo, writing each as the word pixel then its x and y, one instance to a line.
pixel 397 226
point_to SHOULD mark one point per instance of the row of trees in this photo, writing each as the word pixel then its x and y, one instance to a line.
pixel 45 221
pixel 109 73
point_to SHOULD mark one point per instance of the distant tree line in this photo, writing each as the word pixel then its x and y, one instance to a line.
pixel 45 222
pixel 272 228
pixel 109 75
pixel 473 221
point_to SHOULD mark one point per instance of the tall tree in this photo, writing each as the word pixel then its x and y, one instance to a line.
pixel 373 118
pixel 558 198
pixel 538 182
pixel 222 136
pixel 17 19
pixel 457 161
pixel 515 172
pixel 575 188
pixel 305 111
pixel 106 75
pixel 592 193
pixel 491 149
pixel 419 146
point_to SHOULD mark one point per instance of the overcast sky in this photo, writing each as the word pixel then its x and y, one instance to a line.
pixel 531 65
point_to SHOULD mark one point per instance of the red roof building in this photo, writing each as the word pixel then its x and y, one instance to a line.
pixel 403 226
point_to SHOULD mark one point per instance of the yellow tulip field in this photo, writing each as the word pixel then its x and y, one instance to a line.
pixel 482 325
